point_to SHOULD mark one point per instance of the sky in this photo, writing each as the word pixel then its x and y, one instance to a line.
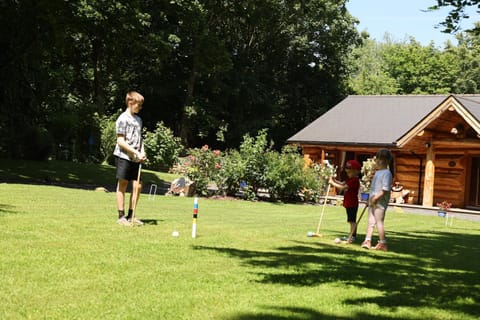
pixel 404 18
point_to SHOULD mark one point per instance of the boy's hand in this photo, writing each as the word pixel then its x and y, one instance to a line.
pixel 138 157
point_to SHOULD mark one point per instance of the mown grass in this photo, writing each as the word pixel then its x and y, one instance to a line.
pixel 64 257
pixel 86 175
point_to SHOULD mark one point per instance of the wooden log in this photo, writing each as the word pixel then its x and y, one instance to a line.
pixel 428 185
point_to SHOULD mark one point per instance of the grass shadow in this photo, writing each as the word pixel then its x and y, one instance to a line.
pixel 438 270
pixel 295 313
pixel 6 208
pixel 151 222
pixel 66 174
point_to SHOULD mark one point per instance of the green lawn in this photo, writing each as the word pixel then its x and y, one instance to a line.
pixel 86 175
pixel 64 257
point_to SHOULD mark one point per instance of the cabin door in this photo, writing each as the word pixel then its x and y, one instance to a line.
pixel 474 197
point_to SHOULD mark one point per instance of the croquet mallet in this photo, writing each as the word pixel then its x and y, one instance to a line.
pixel 317 234
pixel 136 191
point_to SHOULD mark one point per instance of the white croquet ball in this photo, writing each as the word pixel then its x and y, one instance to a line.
pixel 337 240
pixel 175 233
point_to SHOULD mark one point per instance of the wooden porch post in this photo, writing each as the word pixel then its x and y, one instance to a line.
pixel 429 178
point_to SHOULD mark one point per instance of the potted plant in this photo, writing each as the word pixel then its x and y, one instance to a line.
pixel 443 207
pixel 368 171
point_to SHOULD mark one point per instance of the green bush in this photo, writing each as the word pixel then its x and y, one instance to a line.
pixel 201 166
pixel 316 181
pixel 230 173
pixel 284 176
pixel 253 152
pixel 162 148
pixel 253 167
pixel 108 135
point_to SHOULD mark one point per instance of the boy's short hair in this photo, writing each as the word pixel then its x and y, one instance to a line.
pixel 133 96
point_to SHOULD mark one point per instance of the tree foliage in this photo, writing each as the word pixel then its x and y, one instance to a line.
pixel 457 13
pixel 207 68
pixel 210 70
pixel 407 67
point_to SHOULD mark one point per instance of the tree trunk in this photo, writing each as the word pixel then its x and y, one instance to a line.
pixel 185 127
pixel 98 95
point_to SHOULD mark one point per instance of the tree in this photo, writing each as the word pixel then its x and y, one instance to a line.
pixel 280 65
pixel 29 76
pixel 467 54
pixel 404 68
pixel 65 60
pixel 452 21
pixel 211 70
pixel 370 75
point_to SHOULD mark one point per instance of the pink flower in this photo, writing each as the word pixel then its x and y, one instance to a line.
pixel 444 205
pixel 205 147
pixel 216 152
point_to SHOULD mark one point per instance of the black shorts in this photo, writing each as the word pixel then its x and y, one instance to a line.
pixel 352 214
pixel 126 170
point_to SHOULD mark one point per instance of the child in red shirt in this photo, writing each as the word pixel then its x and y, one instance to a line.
pixel 350 186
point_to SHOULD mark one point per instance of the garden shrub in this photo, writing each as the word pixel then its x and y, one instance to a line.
pixel 162 148
pixel 201 166
pixel 230 173
pixel 108 135
pixel 367 173
pixel 284 174
pixel 311 190
pixel 253 152
pixel 253 167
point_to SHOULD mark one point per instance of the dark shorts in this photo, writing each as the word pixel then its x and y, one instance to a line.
pixel 352 214
pixel 126 170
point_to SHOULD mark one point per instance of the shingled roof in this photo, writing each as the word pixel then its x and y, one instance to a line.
pixel 378 120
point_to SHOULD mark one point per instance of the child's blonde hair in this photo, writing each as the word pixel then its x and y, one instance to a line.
pixel 133 96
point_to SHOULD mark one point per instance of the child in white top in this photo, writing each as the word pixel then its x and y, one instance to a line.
pixel 378 200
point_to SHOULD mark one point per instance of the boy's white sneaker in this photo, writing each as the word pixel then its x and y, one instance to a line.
pixel 136 221
pixel 123 221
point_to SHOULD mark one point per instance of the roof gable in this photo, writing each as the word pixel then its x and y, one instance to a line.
pixel 466 110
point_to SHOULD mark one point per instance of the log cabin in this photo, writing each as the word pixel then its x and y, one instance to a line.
pixel 435 140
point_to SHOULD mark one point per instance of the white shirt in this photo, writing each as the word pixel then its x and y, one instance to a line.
pixel 130 126
pixel 382 180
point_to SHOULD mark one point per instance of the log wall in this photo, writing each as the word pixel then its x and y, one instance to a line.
pixel 449 177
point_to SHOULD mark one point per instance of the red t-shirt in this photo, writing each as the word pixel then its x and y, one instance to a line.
pixel 350 198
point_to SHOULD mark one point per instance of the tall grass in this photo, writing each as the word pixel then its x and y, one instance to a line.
pixel 64 257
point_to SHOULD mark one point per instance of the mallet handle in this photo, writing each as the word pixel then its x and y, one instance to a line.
pixel 136 194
